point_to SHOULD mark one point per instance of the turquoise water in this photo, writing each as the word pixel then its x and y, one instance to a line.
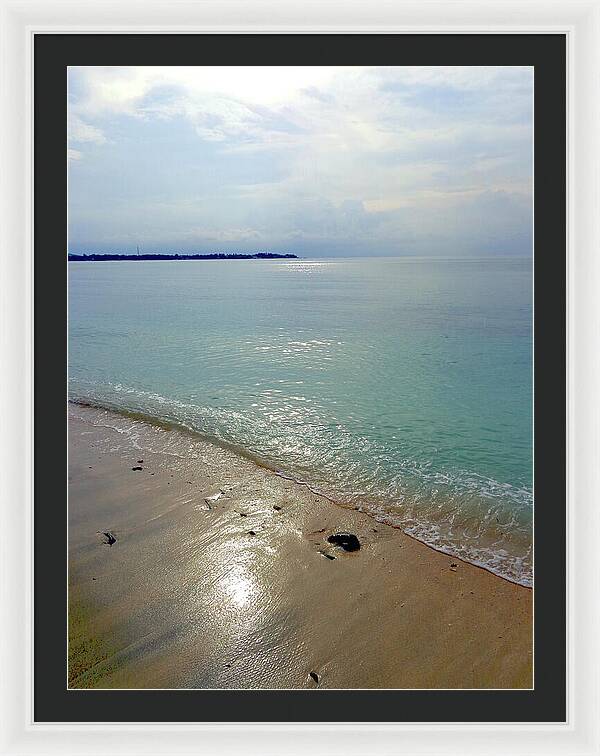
pixel 401 386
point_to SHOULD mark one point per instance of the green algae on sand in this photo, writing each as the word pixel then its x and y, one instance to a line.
pixel 90 657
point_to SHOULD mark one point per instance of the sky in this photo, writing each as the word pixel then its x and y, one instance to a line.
pixel 314 161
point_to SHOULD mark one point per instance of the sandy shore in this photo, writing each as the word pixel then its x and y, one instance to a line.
pixel 239 592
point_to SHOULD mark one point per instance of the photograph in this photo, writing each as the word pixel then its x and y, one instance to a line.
pixel 300 377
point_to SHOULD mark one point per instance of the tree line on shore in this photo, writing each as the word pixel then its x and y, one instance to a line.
pixel 95 257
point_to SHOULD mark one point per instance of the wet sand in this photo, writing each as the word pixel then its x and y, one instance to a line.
pixel 239 592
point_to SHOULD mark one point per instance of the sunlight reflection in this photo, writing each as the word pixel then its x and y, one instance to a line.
pixel 307 266
pixel 239 585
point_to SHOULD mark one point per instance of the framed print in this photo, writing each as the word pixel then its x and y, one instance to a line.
pixel 299 397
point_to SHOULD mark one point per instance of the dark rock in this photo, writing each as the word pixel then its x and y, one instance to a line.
pixel 108 538
pixel 140 461
pixel 276 508
pixel 137 468
pixel 251 532
pixel 347 541
pixel 327 556
pixel 314 676
pixel 243 514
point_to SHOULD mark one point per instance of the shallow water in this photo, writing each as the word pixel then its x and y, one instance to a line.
pixel 402 386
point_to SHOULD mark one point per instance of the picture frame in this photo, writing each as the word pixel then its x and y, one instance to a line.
pixel 20 22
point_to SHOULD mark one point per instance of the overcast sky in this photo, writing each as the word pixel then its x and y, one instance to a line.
pixel 314 161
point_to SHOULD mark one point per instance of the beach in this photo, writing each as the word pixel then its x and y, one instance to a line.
pixel 193 566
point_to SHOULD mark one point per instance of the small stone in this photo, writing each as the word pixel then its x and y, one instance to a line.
pixel 137 468
pixel 315 677
pixel 108 538
pixel 251 532
pixel 276 508
pixel 140 461
pixel 347 541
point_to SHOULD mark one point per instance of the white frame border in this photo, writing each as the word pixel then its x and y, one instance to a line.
pixel 19 21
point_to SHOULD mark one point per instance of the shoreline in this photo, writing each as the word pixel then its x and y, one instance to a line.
pixel 174 425
pixel 221 577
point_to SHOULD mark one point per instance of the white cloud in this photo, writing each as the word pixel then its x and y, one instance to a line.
pixel 79 131
pixel 356 148
pixel 116 89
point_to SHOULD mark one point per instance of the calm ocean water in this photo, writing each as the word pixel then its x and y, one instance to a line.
pixel 402 386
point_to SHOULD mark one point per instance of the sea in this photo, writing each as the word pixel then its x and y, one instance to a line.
pixel 399 386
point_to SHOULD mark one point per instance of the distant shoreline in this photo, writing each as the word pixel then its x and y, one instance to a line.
pixel 216 256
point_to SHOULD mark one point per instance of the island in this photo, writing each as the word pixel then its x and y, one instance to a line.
pixel 161 256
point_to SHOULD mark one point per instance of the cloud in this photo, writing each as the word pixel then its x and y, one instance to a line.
pixel 79 131
pixel 388 159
